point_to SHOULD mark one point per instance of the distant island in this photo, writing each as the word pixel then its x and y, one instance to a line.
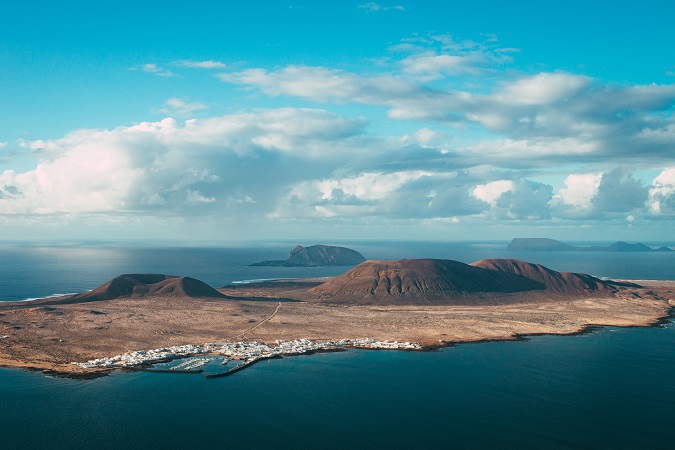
pixel 317 255
pixel 544 244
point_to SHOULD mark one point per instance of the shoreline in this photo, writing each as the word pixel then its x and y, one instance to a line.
pixel 46 335
pixel 49 369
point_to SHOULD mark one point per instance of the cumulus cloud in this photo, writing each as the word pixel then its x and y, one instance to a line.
pixel 472 132
pixel 394 195
pixel 527 200
pixel 519 199
pixel 491 192
pixel 662 193
pixel 576 198
pixel 620 192
pixel 165 166
pixel 601 195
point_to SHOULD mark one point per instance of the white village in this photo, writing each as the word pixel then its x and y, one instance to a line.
pixel 247 352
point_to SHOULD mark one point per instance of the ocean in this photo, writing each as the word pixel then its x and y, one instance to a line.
pixel 608 389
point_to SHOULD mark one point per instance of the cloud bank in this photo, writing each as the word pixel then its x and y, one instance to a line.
pixel 477 144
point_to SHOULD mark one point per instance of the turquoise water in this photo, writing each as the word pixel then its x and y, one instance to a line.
pixel 609 389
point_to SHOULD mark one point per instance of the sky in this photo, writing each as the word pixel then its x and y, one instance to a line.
pixel 226 122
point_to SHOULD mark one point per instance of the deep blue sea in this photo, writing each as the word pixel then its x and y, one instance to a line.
pixel 612 388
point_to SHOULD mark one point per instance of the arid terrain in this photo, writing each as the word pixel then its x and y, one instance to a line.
pixel 50 334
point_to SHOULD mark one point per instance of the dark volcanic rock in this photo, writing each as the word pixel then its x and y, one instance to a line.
pixel 141 285
pixel 318 255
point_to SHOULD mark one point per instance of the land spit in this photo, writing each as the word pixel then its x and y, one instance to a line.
pixel 49 336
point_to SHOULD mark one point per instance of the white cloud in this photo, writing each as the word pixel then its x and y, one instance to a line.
pixel 537 116
pixel 373 7
pixel 526 200
pixel 209 64
pixel 491 192
pixel 163 166
pixel 394 195
pixel 579 191
pixel 662 193
pixel 180 107
pixel 155 69
pixel 195 198
pixel 320 84
pixel 519 199
pixel 425 136
pixel 542 89
pixel 619 192
pixel 3 144
pixel 431 66
pixel 406 99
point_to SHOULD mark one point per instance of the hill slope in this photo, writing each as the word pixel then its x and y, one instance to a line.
pixel 559 282
pixel 423 281
pixel 436 281
pixel 141 285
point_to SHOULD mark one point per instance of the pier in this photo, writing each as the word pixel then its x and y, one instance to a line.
pixel 242 366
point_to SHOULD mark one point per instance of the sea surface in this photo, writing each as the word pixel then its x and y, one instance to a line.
pixel 612 388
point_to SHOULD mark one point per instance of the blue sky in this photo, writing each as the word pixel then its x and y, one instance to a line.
pixel 224 121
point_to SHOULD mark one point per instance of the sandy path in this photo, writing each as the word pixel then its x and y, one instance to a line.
pixel 254 327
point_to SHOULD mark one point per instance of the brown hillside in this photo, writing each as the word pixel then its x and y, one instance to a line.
pixel 418 281
pixel 560 282
pixel 141 285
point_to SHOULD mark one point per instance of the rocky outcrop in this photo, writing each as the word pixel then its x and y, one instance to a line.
pixel 318 255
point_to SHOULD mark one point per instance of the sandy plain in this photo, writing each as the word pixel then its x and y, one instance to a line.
pixel 48 335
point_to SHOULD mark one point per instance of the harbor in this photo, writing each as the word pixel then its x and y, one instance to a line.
pixel 196 357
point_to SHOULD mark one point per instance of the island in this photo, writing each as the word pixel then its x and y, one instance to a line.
pixel 137 320
pixel 545 244
pixel 317 255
